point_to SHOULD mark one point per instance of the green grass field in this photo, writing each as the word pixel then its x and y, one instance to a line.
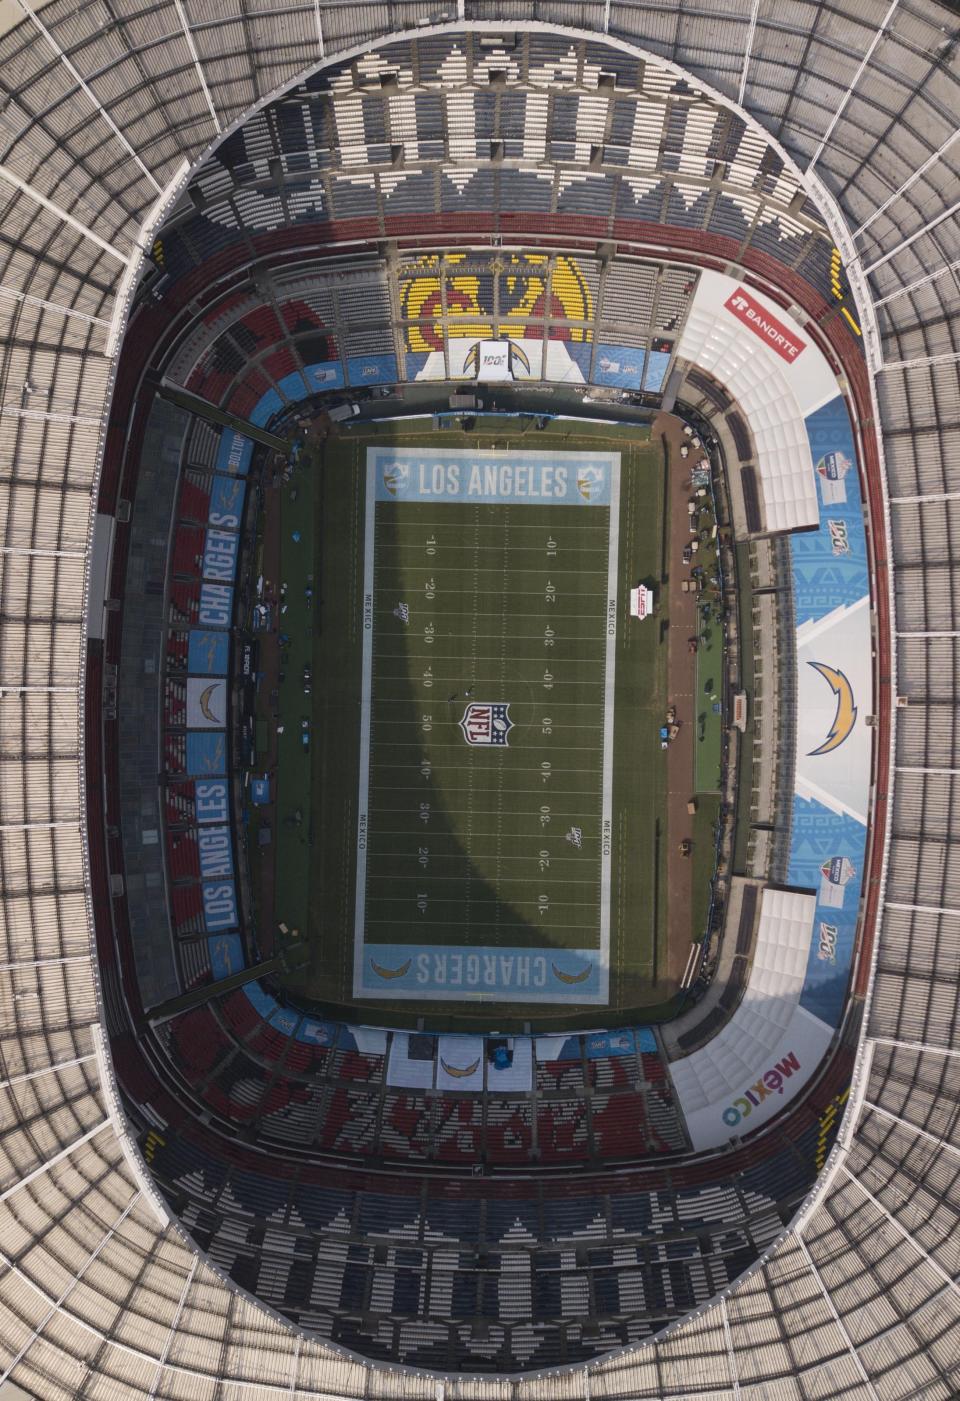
pixel 509 605
pixel 487 864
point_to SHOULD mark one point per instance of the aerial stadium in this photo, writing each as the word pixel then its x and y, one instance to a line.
pixel 479 667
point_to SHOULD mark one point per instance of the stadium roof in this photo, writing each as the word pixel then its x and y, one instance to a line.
pixel 105 110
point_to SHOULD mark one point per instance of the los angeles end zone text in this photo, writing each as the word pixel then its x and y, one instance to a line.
pixel 486 751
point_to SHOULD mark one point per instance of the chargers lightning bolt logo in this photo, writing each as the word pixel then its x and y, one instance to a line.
pixel 846 715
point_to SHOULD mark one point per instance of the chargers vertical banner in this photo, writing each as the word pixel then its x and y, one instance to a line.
pixel 834 698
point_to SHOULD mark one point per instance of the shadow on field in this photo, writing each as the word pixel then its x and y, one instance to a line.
pixel 422 885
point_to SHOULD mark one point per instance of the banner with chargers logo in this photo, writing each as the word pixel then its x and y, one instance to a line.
pixel 208 653
pixel 226 503
pixel 834 698
pixel 234 453
pixel 520 358
pixel 226 954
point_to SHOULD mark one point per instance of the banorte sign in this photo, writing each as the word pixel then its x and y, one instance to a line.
pixel 779 338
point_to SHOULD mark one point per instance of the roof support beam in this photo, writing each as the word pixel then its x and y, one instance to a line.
pixel 923 500
pixel 919 1047
pixel 920 282
pixel 43 962
pixel 36 690
pixel 88 92
pixel 920 171
pixel 316 15
pixel 43 554
pixel 731 1352
pixel 943 773
pixel 910 1239
pixel 295 1365
pixel 927 228
pixel 53 1069
pixel 14 411
pixel 837 1319
pixel 49 1163
pixel 920 361
pixel 70 1287
pixel 748 50
pixel 188 35
pixel 908 635
pixel 52 306
pixel 38 827
pixel 853 83
pixel 174 1326
pixel 921 909
pixel 938 1143
pixel 61 214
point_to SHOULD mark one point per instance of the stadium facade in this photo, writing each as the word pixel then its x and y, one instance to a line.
pixel 149 158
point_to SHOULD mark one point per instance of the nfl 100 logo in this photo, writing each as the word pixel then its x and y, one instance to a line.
pixel 486 723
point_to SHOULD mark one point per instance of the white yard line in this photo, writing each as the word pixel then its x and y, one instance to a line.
pixel 498 568
pixel 381 667
pixel 452 744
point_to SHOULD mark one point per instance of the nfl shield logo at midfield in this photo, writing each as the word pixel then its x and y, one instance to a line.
pixel 486 722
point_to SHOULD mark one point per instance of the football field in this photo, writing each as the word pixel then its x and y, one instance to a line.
pixel 477 825
pixel 486 760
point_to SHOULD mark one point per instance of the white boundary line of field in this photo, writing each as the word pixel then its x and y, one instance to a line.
pixel 610 663
pixel 609 680
pixel 363 784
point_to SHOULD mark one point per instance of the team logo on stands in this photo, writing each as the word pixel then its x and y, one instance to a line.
pixel 836 873
pixel 831 469
pixel 460 1072
pixel 486 724
pixel 396 478
pixel 206 703
pixel 519 289
pixel 388 973
pixel 827 942
pixel 494 360
pixel 570 978
pixel 846 713
pixel 590 480
pixel 839 539
pixel 222 953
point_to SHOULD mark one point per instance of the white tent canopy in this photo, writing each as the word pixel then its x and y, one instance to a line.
pixel 641 602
